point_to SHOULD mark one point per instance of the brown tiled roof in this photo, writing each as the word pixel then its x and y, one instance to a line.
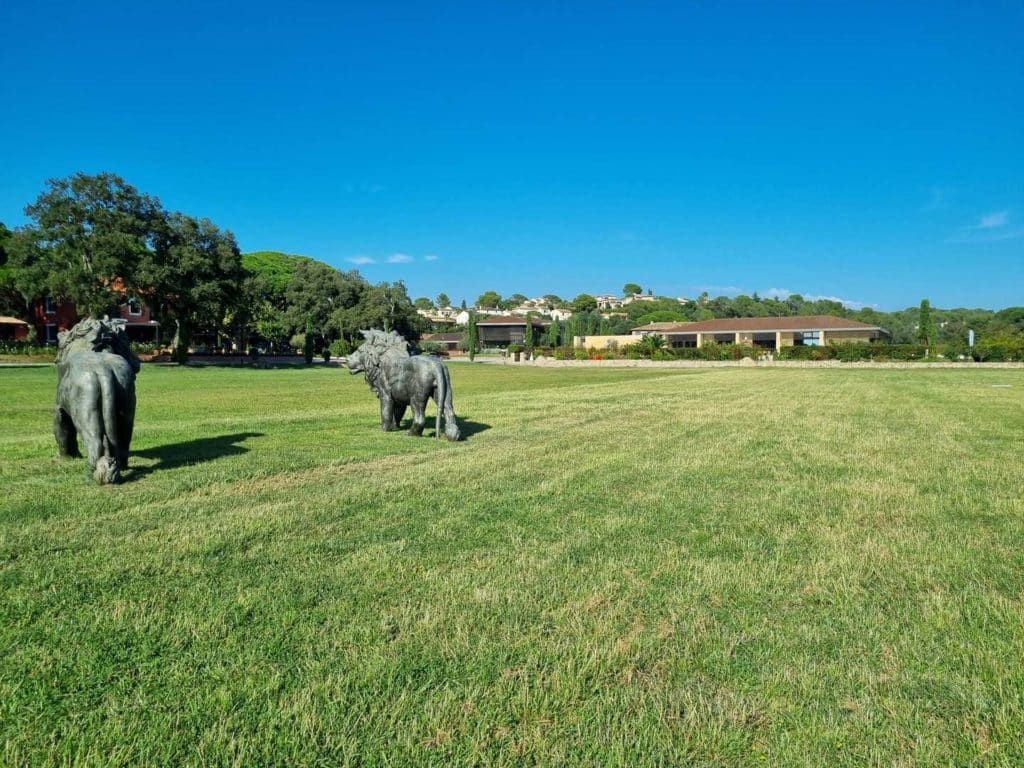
pixel 507 320
pixel 771 324
pixel 5 320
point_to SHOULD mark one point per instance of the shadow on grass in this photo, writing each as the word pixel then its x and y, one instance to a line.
pixel 467 427
pixel 470 428
pixel 197 451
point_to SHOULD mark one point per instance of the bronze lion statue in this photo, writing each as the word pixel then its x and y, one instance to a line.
pixel 401 380
pixel 96 395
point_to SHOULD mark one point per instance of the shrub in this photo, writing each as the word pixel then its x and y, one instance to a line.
pixel 580 354
pixel 26 348
pixel 712 350
pixel 998 350
pixel 340 348
pixel 849 352
pixel 432 348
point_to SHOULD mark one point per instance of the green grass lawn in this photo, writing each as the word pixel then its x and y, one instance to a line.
pixel 616 567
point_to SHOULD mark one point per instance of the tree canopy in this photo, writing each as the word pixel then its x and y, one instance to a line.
pixel 87 237
pixel 193 276
pixel 489 300
pixel 584 302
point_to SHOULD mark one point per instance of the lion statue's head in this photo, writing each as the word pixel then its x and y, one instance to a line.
pixel 371 356
pixel 92 335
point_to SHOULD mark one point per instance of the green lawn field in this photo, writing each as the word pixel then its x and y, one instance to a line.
pixel 620 567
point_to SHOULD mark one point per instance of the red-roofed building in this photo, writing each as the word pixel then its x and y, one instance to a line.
pixel 50 317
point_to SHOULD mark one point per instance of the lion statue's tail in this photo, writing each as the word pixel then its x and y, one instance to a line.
pixel 107 470
pixel 444 403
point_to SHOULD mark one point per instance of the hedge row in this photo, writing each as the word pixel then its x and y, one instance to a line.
pixel 844 352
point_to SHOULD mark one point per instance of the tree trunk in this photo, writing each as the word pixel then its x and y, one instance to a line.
pixel 182 337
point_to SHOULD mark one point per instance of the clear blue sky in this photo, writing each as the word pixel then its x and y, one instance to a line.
pixel 870 151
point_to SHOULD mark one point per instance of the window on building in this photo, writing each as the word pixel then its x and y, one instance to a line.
pixel 807 339
pixel 51 333
pixel 49 305
pixel 134 307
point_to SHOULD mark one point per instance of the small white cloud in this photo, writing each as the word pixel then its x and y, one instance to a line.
pixel 993 220
pixel 361 260
pixel 990 227
pixel 719 290
pixel 785 293
pixel 430 257
pixel 399 258
pixel 848 303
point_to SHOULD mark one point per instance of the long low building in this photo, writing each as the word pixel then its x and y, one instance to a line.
pixel 768 332
pixel 502 330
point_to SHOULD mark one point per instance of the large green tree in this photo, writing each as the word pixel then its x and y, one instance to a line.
pixel 193 277
pixel 87 237
pixel 386 306
pixel 631 289
pixel 274 272
pixel 267 277
pixel 325 295
pixel 584 302
pixel 489 300
pixel 12 300
pixel 553 301
pixel 513 301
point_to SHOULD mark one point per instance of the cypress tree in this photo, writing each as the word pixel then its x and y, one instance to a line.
pixel 471 336
pixel 307 345
pixel 925 324
pixel 528 335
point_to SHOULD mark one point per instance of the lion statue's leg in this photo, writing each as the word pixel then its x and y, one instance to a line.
pixel 387 417
pixel 419 416
pixel 399 413
pixel 66 434
pixel 91 426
